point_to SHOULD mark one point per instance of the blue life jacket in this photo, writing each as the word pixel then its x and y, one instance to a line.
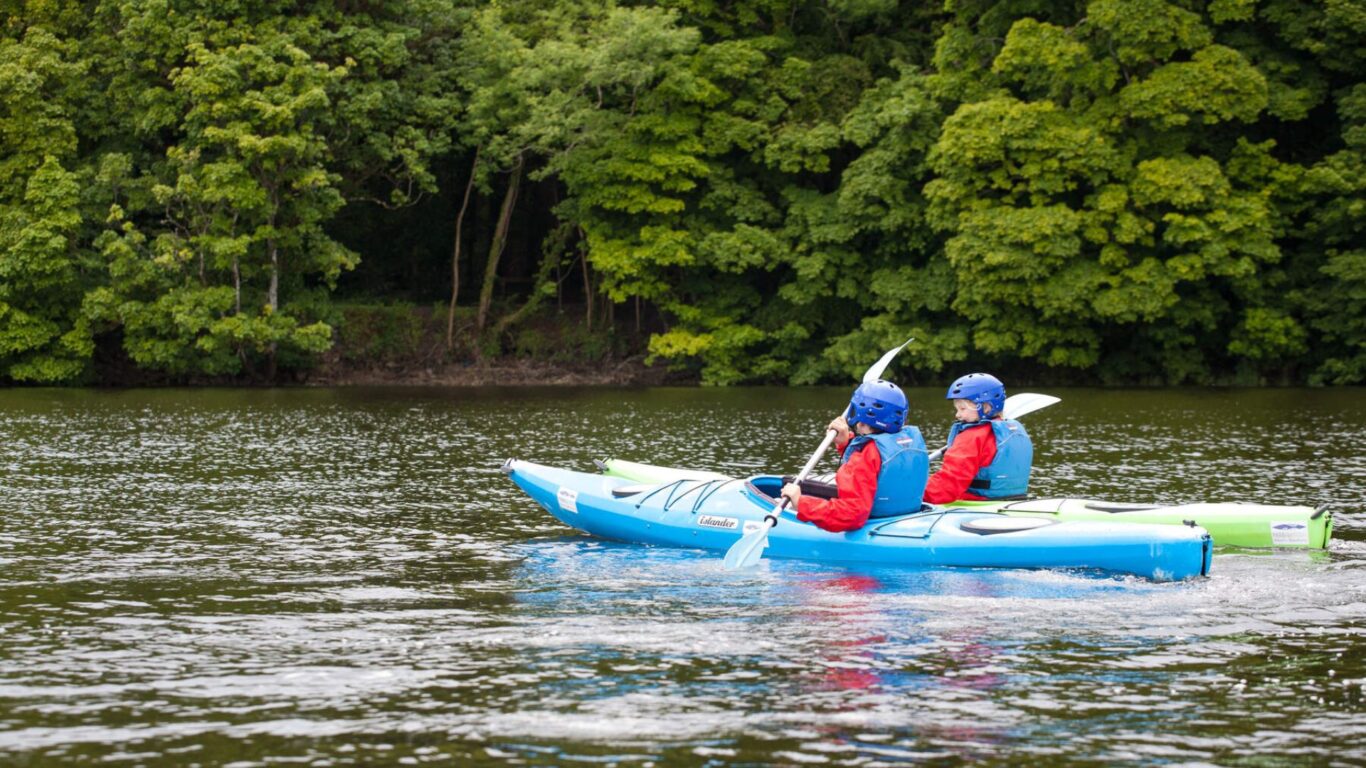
pixel 905 470
pixel 1008 473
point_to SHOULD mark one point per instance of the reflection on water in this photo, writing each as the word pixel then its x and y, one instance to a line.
pixel 340 577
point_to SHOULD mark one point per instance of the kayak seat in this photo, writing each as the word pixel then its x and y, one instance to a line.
pixel 987 526
pixel 1108 507
pixel 817 488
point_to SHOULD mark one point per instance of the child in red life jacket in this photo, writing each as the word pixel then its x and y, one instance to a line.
pixel 883 468
pixel 987 456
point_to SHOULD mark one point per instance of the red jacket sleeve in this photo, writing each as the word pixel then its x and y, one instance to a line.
pixel 856 484
pixel 973 450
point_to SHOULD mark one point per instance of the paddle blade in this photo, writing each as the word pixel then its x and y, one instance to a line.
pixel 748 550
pixel 1026 402
pixel 875 373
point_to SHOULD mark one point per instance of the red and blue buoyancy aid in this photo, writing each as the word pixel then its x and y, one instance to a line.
pixel 1008 472
pixel 904 473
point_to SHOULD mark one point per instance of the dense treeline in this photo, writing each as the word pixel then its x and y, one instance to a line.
pixel 1124 190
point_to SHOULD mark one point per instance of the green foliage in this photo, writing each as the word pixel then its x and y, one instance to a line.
pixel 1142 32
pixel 1332 198
pixel 221 140
pixel 43 337
pixel 37 79
pixel 1215 86
pixel 565 341
pixel 1082 203
pixel 247 191
pixel 1117 190
pixel 381 333
pixel 43 274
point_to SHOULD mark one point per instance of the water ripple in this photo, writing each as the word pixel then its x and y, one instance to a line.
pixel 343 577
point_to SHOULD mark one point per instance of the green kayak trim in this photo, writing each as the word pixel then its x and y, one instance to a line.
pixel 1230 524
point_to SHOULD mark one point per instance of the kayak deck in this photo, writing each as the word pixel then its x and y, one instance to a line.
pixel 1231 524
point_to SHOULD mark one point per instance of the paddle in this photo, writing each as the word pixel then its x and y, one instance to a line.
pixel 1016 406
pixel 750 547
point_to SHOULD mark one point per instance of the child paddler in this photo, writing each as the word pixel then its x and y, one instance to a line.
pixel 987 456
pixel 883 468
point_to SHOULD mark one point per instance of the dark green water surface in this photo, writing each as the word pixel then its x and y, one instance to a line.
pixel 343 577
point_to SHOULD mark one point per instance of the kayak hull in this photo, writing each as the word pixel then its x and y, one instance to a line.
pixel 1230 524
pixel 714 514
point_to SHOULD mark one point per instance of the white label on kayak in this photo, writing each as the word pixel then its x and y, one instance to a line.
pixel 1289 533
pixel 713 521
pixel 568 499
pixel 752 525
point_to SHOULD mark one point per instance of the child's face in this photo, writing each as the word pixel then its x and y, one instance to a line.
pixel 863 429
pixel 964 410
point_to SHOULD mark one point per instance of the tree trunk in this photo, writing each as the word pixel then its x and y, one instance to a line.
pixel 500 234
pixel 273 302
pixel 455 256
pixel 587 288
pixel 549 264
pixel 273 294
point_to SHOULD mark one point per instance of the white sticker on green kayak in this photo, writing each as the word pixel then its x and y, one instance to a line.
pixel 568 499
pixel 715 521
pixel 1289 533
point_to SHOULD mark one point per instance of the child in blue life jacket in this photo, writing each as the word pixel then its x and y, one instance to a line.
pixel 987 456
pixel 883 468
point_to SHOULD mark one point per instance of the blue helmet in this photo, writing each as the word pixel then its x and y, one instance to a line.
pixel 979 388
pixel 879 404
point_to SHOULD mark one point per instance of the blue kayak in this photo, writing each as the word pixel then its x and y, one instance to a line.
pixel 715 513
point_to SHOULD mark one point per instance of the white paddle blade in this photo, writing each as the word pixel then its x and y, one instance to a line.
pixel 875 373
pixel 1026 402
pixel 748 550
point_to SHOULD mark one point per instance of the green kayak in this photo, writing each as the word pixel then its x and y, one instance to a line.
pixel 1230 524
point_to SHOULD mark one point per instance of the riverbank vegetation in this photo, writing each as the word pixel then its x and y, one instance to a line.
pixel 1150 191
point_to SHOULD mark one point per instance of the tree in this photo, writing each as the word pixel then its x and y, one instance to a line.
pixel 555 94
pixel 767 260
pixel 1093 195
pixel 247 192
pixel 43 276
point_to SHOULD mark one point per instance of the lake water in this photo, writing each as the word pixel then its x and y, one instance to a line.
pixel 343 577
